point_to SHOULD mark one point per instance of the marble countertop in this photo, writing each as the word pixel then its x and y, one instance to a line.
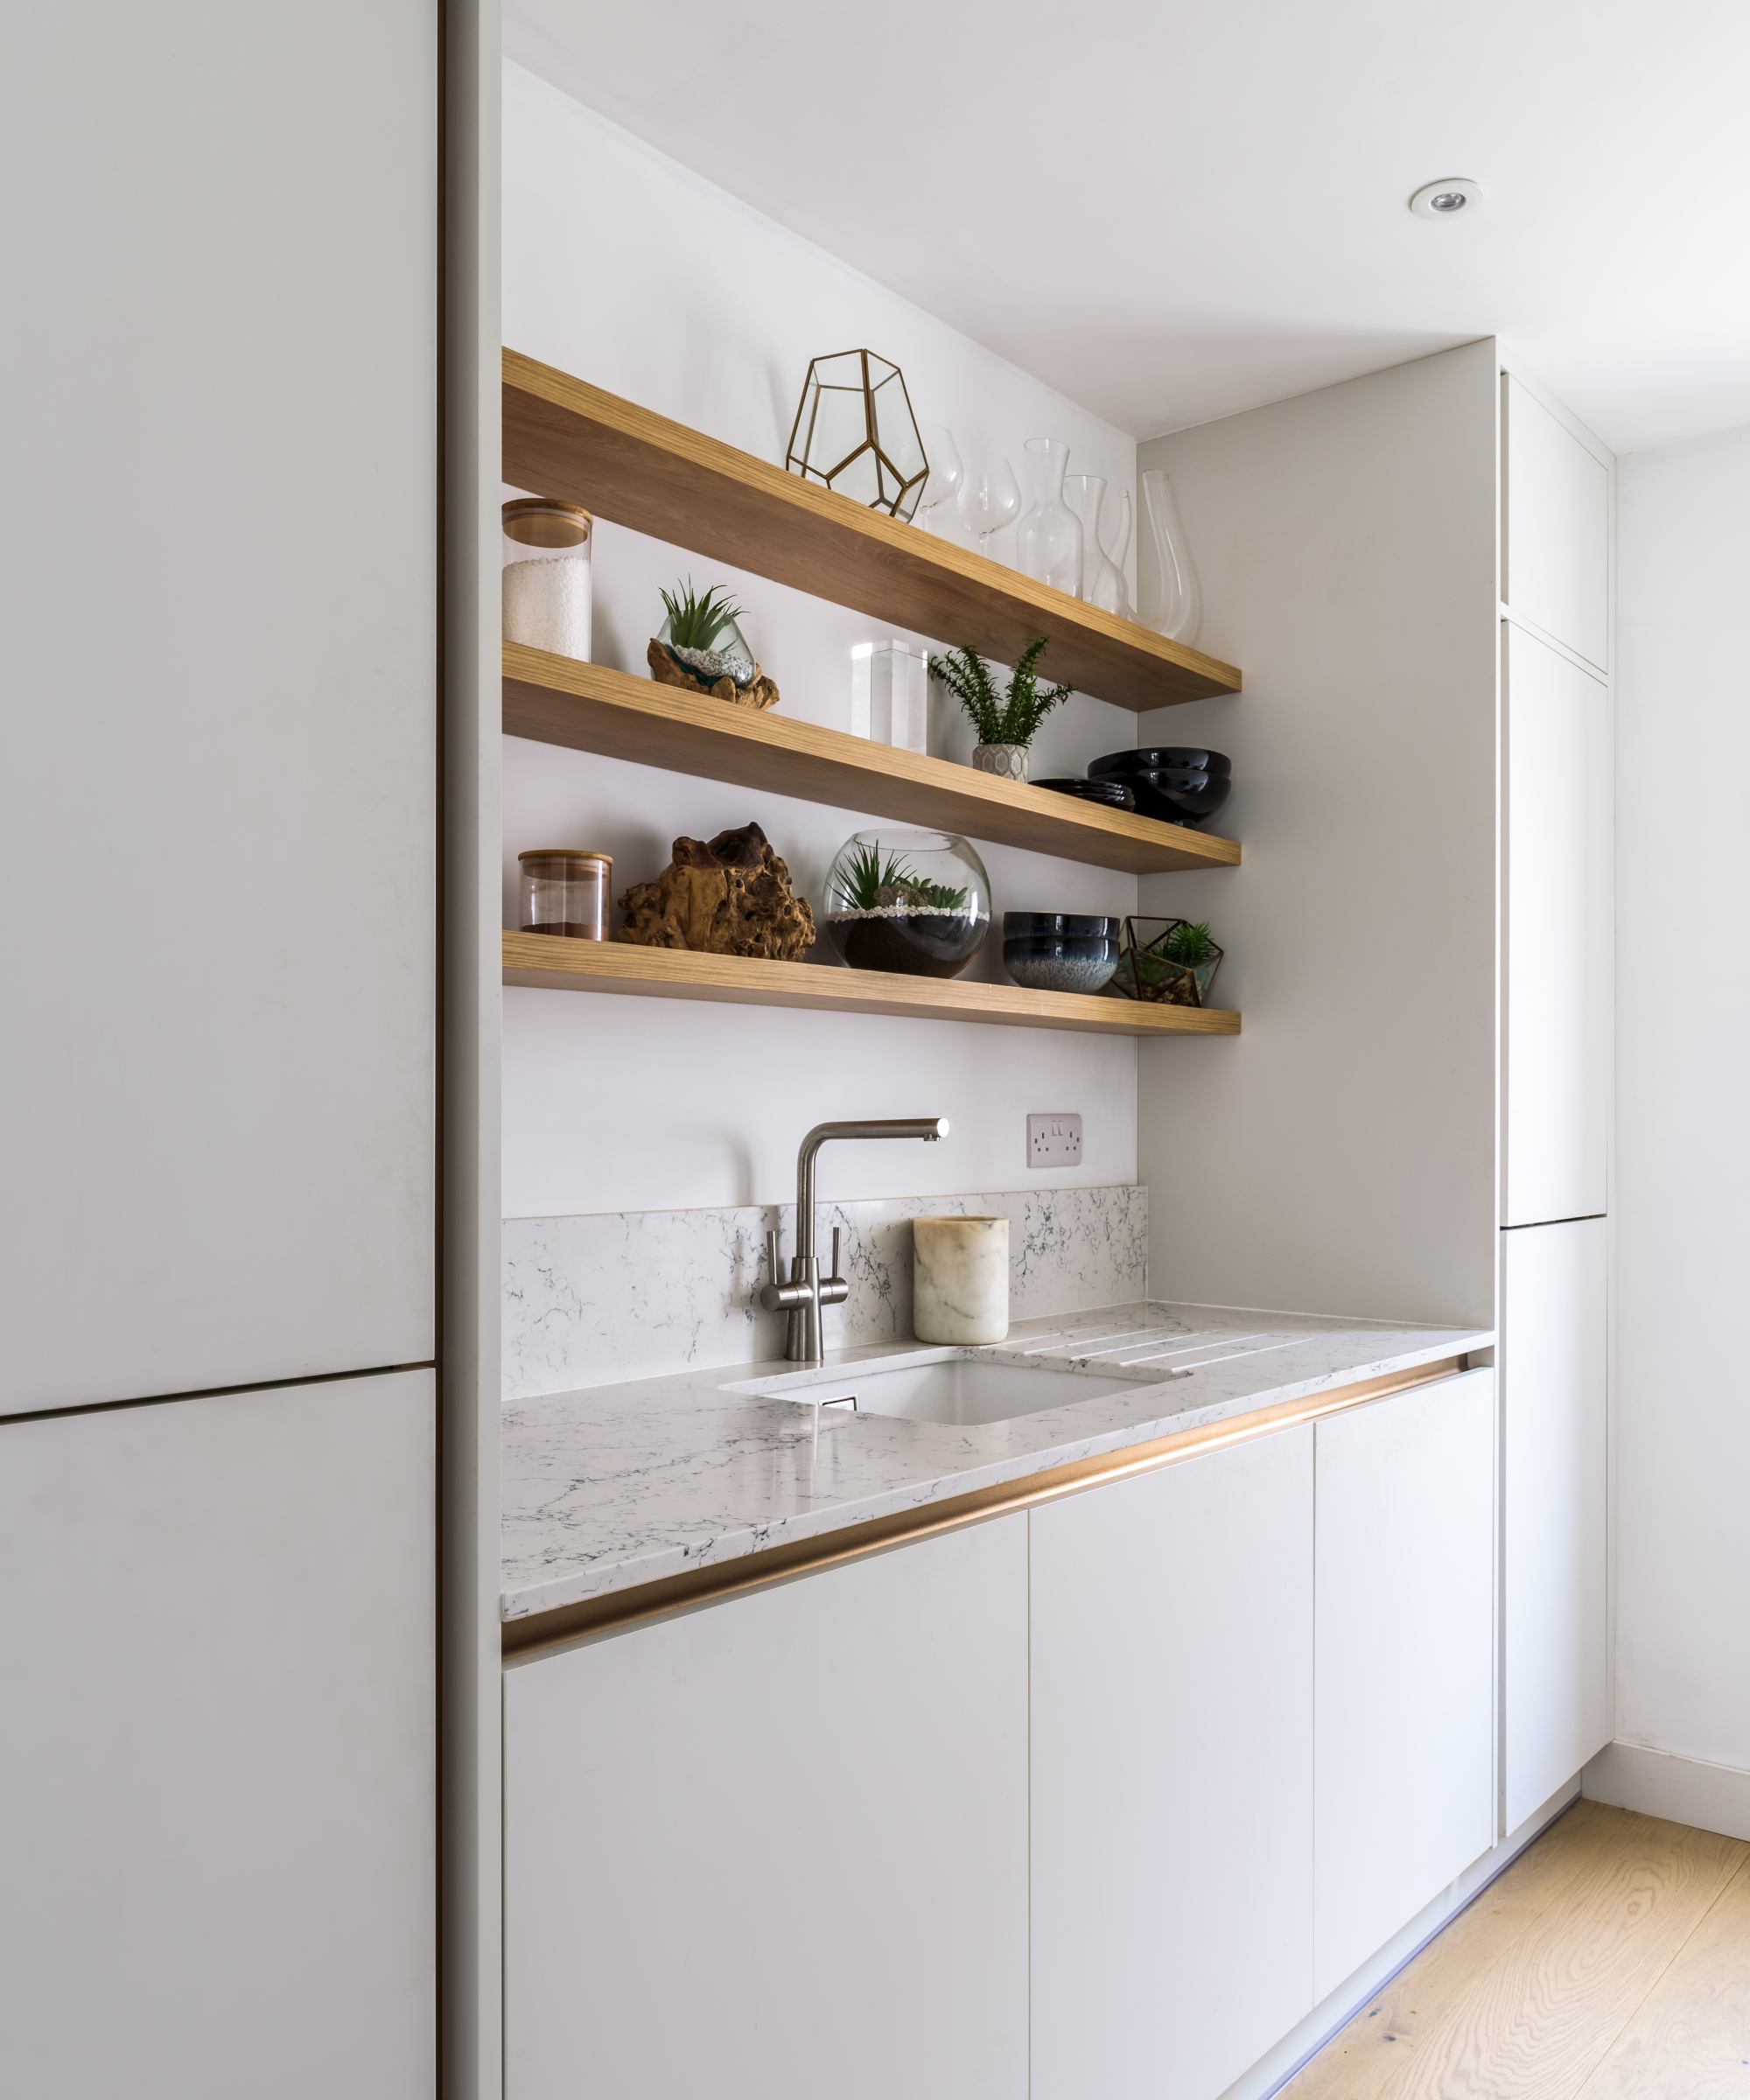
pixel 625 1484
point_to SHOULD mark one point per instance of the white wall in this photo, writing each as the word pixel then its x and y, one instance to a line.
pixel 1683 1130
pixel 1339 1157
pixel 623 1103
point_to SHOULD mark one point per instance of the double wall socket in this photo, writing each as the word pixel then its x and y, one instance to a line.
pixel 1053 1141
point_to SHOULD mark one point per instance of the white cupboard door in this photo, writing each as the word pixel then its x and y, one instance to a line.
pixel 1172 1774
pixel 217 1732
pixel 1557 1010
pixel 778 1848
pixel 1404 1661
pixel 217 812
pixel 1556 545
pixel 1554 1664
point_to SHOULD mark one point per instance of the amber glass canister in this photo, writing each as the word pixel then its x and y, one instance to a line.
pixel 565 892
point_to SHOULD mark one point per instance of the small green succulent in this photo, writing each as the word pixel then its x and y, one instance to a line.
pixel 694 622
pixel 1188 945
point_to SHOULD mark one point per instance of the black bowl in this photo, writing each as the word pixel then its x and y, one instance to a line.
pixel 1157 757
pixel 1057 962
pixel 1161 796
pixel 1072 926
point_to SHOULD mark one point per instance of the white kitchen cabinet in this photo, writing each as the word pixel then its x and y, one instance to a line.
pixel 1556 537
pixel 1556 1014
pixel 1554 1663
pixel 1404 1702
pixel 217 1732
pixel 1172 1774
pixel 218 818
pixel 779 1847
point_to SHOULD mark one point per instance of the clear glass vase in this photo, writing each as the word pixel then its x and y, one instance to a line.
pixel 1180 605
pixel 1103 574
pixel 1048 539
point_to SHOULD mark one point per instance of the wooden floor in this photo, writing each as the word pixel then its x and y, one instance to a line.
pixel 1610 1962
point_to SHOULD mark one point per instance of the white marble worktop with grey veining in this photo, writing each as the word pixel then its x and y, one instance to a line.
pixel 619 1485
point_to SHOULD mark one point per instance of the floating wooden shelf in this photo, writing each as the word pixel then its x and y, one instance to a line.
pixel 557 700
pixel 667 973
pixel 563 437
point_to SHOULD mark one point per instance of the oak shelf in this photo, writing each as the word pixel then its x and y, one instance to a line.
pixel 551 699
pixel 559 964
pixel 563 438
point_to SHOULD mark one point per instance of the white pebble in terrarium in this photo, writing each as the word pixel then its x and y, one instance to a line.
pixel 912 903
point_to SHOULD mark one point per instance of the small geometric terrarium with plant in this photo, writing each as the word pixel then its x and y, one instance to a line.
pixel 914 903
pixel 701 648
pixel 1167 961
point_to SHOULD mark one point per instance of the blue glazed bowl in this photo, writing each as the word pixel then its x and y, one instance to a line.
pixel 1075 926
pixel 1059 961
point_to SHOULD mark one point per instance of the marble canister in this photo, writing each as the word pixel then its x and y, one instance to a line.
pixel 960 1279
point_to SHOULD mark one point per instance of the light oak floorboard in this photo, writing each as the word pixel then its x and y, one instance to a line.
pixel 1361 2062
pixel 1525 1994
pixel 1691 2039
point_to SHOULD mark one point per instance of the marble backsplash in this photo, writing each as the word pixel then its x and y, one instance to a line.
pixel 635 1294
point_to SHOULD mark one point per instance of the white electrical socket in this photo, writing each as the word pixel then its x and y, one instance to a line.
pixel 1053 1141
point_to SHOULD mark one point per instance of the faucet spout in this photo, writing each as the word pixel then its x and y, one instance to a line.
pixel 807 1289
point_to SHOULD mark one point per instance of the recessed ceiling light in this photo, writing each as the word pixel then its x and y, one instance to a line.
pixel 1447 199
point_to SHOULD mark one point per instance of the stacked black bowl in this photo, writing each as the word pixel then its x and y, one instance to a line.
pixel 1171 782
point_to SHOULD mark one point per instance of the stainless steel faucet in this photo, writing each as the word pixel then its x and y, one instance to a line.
pixel 807 1290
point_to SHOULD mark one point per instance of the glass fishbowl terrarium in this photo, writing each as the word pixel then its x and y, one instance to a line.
pixel 913 903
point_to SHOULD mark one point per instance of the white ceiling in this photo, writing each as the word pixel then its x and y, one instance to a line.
pixel 1170 213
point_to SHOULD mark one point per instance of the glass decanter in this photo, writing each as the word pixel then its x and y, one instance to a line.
pixel 1180 605
pixel 1103 574
pixel 1048 539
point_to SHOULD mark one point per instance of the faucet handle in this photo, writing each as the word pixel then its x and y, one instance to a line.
pixel 834 1290
pixel 776 1296
pixel 772 1257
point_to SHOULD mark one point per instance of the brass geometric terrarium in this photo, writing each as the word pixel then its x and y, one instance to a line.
pixel 856 432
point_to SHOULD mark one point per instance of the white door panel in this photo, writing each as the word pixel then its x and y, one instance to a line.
pixel 1557 940
pixel 1555 1677
pixel 1555 548
pixel 779 1846
pixel 1172 1774
pixel 218 658
pixel 1404 1661
pixel 217 1730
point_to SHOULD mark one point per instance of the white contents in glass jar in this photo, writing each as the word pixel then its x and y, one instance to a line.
pixel 547 606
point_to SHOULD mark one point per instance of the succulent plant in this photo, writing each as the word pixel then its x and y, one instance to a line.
pixel 695 622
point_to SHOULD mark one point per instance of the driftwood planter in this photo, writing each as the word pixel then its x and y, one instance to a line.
pixel 730 896
pixel 1145 973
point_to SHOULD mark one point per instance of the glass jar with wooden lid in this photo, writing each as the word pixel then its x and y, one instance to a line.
pixel 546 575
pixel 564 891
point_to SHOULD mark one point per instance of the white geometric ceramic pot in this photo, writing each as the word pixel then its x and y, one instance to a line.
pixel 1007 761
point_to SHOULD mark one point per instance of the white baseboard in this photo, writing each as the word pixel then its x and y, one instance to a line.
pixel 1681 1790
pixel 1270 2074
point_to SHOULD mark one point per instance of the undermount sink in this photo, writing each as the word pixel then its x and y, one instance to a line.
pixel 963 1392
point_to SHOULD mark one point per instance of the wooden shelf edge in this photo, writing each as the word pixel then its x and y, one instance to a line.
pixel 565 438
pixel 590 707
pixel 546 961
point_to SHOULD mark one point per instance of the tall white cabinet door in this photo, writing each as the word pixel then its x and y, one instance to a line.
pixel 778 1848
pixel 1172 1774
pixel 1558 915
pixel 1556 547
pixel 217 1689
pixel 1555 1678
pixel 218 813
pixel 1404 1692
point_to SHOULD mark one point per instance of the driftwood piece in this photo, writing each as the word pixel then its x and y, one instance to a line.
pixel 730 896
pixel 761 694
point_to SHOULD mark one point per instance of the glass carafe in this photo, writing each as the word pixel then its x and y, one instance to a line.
pixel 1103 574
pixel 1048 539
pixel 1180 604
